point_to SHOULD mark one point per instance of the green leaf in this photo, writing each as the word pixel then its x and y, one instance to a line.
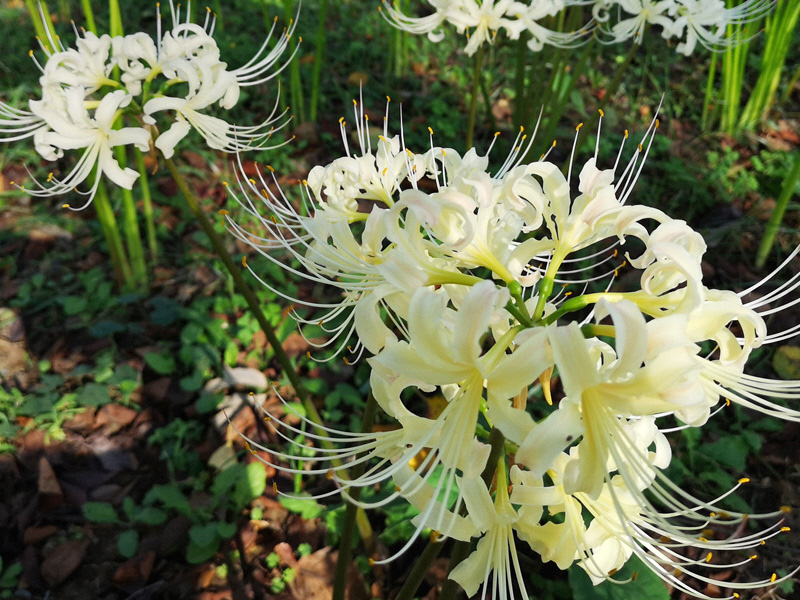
pixel 163 364
pixel 128 543
pixel 196 554
pixel 193 382
pixel 170 496
pixel 308 508
pixel 128 506
pixel 207 403
pixel 74 305
pixel 227 479
pixel 731 451
pixel 150 515
pixel 252 485
pixel 786 362
pixel 226 530
pixel 204 535
pixel 165 311
pixel 646 586
pixel 35 405
pixel 94 394
pixel 100 512
pixel 105 329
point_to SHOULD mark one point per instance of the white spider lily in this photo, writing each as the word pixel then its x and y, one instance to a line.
pixel 705 21
pixel 72 128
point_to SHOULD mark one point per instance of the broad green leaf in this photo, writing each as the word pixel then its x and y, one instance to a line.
pixel 100 512
pixel 94 394
pixel 252 485
pixel 150 515
pixel 308 508
pixel 163 364
pixel 196 554
pixel 226 530
pixel 74 305
pixel 731 451
pixel 128 543
pixel 204 535
pixel 193 382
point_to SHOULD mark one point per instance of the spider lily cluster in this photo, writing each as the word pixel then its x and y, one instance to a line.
pixel 474 287
pixel 481 21
pixel 690 21
pixel 92 90
pixel 615 21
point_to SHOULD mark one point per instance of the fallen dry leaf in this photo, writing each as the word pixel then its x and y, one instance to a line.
pixel 63 560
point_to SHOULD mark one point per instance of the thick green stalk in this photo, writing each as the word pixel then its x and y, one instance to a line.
pixel 88 16
pixel 318 54
pixel 115 18
pixel 414 579
pixel 473 105
pixel 119 260
pixel 712 72
pixel 346 541
pixel 461 550
pixel 130 226
pixel 147 207
pixel 44 28
pixel 777 215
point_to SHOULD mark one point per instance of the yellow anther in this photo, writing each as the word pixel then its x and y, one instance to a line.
pixel 300 39
pixel 388 99
pixel 496 133
pixel 727 401
pixel 753 556
pixel 308 353
pixel 305 182
pixel 612 572
pixel 270 169
pixel 275 486
pixel 366 117
pixel 208 9
pixel 355 103
pixel 225 183
pixel 712 514
pixel 785 529
pixel 443 152
pixel 247 445
pixel 744 480
pixel 709 556
pixel 430 130
pixel 385 170
pixel 735 595
pixel 347 362
pixel 409 152
pixel 435 535
pixel 578 128
pixel 397 489
pixel 267 419
pixel 634 576
pixel 707 532
pixel 65 206
pixel 521 129
pixel 640 147
pixel 341 119
pixel 329 474
pixel 600 110
pixel 773 578
pixel 224 212
pixel 30 53
pixel 786 509
pixel 554 143
pixel 702 539
pixel 273 219
pixel 244 262
pixel 763 542
pixel 657 123
pixel 626 134
pixel 50 177
pixel 251 180
pixel 371 562
pixel 567 294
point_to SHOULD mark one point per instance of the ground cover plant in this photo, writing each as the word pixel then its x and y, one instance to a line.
pixel 160 407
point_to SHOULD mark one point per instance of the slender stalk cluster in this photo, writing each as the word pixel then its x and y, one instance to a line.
pixel 480 289
pixel 107 92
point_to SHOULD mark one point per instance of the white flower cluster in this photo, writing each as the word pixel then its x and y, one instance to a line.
pixel 481 20
pixel 87 89
pixel 691 21
pixel 474 289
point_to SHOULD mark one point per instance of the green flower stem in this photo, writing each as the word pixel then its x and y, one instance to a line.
pixel 42 28
pixel 119 260
pixel 461 550
pixel 591 330
pixel 115 18
pixel 88 16
pixel 245 290
pixel 578 303
pixel 318 56
pixel 777 215
pixel 346 541
pixel 712 72
pixel 147 207
pixel 130 225
pixel 473 105
pixel 419 570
